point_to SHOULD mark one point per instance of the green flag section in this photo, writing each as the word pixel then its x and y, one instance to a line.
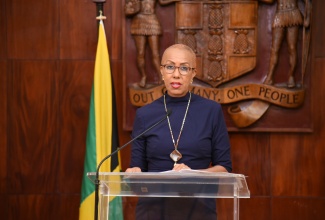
pixel 102 138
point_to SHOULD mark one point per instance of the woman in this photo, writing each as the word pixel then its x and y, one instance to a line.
pixel 193 137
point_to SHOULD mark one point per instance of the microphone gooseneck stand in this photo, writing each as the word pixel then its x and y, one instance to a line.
pixel 97 181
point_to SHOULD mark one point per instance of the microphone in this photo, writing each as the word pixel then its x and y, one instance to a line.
pixel 97 182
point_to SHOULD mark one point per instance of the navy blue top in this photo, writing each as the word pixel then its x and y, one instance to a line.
pixel 204 139
pixel 204 142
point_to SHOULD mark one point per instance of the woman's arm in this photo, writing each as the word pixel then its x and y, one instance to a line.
pixel 133 170
pixel 216 168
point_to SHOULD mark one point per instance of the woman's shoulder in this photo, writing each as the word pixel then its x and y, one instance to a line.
pixel 205 102
pixel 151 108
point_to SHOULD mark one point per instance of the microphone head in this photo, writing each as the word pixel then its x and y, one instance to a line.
pixel 169 111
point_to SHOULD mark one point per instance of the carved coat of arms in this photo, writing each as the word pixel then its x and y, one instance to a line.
pixel 225 36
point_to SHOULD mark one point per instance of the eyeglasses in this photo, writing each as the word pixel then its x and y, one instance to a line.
pixel 183 70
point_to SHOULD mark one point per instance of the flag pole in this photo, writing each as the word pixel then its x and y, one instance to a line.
pixel 99 6
pixel 99 13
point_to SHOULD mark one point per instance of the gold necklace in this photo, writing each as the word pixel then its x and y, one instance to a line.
pixel 176 155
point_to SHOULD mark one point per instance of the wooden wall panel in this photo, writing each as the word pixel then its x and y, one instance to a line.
pixel 225 209
pixel 33 207
pixel 3 30
pixel 298 160
pixel 252 208
pixel 129 205
pixel 255 208
pixel 76 79
pixel 116 32
pixel 318 30
pixel 69 207
pixel 3 126
pixel 78 29
pixel 286 161
pixel 33 127
pixel 109 25
pixel 4 206
pixel 33 29
pixel 3 113
pixel 294 162
pixel 298 208
pixel 316 153
pixel 251 156
pixel 318 91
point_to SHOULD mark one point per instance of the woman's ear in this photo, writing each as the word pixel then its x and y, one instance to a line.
pixel 161 71
pixel 193 73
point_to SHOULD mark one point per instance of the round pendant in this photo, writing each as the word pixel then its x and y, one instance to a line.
pixel 175 155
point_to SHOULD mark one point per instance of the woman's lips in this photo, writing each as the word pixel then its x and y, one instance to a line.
pixel 175 85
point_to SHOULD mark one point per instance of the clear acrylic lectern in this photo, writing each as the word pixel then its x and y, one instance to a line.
pixel 187 183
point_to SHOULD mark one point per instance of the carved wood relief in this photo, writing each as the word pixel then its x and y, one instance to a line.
pixel 223 34
pixel 237 48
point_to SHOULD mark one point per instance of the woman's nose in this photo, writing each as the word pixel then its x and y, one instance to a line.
pixel 176 73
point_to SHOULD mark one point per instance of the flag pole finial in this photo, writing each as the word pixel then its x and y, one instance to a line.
pixel 101 16
pixel 100 9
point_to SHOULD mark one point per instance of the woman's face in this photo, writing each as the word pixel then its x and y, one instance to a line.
pixel 178 84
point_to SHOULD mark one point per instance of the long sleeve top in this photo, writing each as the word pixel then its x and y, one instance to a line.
pixel 204 140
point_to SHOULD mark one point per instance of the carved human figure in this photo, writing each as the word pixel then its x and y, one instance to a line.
pixel 145 28
pixel 287 20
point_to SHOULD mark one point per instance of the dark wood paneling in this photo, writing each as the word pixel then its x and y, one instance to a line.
pixel 318 91
pixel 33 127
pixel 3 126
pixel 315 150
pixel 31 207
pixel 298 160
pixel 69 207
pixel 298 208
pixel 3 30
pixel 251 157
pixel 294 166
pixel 318 29
pixel 78 29
pixel 253 208
pixel 225 209
pixel 117 12
pixel 109 25
pixel 129 205
pixel 4 206
pixel 33 29
pixel 75 79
